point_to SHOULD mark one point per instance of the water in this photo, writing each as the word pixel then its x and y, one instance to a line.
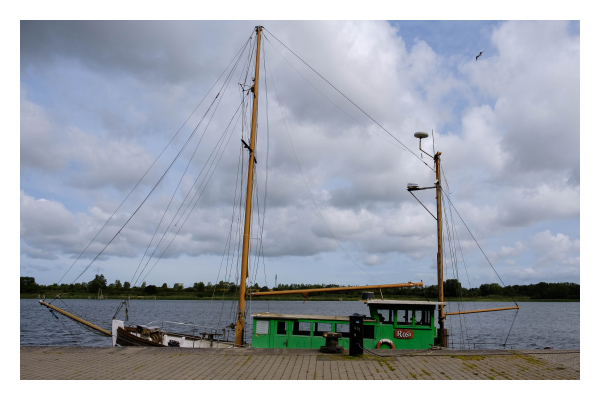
pixel 536 326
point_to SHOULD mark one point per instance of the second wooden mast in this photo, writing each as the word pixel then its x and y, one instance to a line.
pixel 241 316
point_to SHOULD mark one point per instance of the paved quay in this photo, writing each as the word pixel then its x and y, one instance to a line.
pixel 269 364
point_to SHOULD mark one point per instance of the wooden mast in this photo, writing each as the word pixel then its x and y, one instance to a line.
pixel 440 257
pixel 241 317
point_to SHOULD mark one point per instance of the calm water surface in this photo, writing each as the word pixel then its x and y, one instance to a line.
pixel 537 325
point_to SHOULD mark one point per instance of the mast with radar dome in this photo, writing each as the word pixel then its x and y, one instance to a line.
pixel 442 336
pixel 411 187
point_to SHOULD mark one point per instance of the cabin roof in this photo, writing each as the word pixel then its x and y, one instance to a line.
pixel 303 316
pixel 405 302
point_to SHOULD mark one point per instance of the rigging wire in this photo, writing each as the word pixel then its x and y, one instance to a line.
pixel 161 153
pixel 346 97
pixel 145 199
pixel 454 266
pixel 245 122
pixel 192 208
pixel 511 326
pixel 224 87
pixel 68 330
pixel 175 191
pixel 229 241
pixel 488 260
pixel 219 143
pixel 266 168
pixel 304 179
pixel 460 249
pixel 328 99
pixel 256 207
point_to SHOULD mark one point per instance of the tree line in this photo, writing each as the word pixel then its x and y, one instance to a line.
pixel 452 288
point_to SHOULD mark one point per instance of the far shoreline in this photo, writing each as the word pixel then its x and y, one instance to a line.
pixel 298 298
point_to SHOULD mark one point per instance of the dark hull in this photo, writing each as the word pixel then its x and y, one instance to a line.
pixel 125 338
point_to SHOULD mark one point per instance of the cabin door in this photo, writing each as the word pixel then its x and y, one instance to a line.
pixel 281 336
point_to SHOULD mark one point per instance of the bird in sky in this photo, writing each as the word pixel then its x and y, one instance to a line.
pixel 480 53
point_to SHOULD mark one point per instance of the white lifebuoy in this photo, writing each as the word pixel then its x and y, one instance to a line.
pixel 388 341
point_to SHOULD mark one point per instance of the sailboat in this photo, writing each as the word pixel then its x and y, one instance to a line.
pixel 391 324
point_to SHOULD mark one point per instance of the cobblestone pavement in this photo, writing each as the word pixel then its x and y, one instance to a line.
pixel 172 363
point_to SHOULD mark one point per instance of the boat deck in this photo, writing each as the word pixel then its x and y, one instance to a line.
pixel 249 364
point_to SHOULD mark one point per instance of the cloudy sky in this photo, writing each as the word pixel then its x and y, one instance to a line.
pixel 99 101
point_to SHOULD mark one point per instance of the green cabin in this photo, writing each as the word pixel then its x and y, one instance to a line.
pixel 393 324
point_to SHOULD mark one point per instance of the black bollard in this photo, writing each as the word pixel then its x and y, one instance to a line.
pixel 331 343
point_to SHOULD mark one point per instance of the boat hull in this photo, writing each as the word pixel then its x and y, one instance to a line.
pixel 130 337
pixel 125 338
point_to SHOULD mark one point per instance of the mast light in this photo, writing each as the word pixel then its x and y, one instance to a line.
pixel 421 135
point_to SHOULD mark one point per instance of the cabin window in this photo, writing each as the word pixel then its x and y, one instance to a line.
pixel 368 331
pixel 385 316
pixel 423 317
pixel 301 329
pixel 344 329
pixel 404 317
pixel 281 328
pixel 262 327
pixel 321 328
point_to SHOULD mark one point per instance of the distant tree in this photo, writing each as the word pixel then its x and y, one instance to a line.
pixel 199 287
pixel 452 288
pixel 164 286
pixel 118 285
pixel 431 291
pixel 99 282
pixel 143 285
pixel 264 289
pixel 509 291
pixel 177 286
pixel 490 288
pixel 151 289
pixel 28 284
pixel 126 285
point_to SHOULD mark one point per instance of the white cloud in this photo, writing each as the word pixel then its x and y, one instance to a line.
pixel 508 252
pixel 511 158
pixel 555 249
pixel 38 144
pixel 373 259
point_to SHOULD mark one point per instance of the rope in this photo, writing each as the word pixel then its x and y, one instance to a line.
pixel 373 353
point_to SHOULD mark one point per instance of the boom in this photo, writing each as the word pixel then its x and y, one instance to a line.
pixel 305 292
